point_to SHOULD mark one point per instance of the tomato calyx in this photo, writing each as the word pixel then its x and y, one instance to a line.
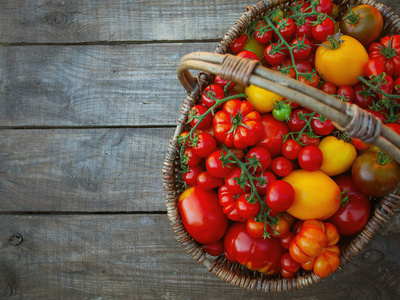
pixel 388 51
pixel 352 18
pixel 334 41
pixel 383 159
pixel 344 199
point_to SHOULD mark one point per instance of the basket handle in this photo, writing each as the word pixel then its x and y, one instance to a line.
pixel 350 118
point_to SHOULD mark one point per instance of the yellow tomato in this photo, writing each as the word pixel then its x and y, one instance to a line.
pixel 316 195
pixel 255 47
pixel 341 63
pixel 338 155
pixel 262 100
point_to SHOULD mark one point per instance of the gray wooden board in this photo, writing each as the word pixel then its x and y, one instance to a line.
pixel 74 21
pixel 137 257
pixel 93 85
pixel 114 169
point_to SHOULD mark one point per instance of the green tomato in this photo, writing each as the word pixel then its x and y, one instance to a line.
pixel 282 111
pixel 255 47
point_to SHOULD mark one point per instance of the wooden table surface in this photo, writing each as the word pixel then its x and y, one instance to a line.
pixel 88 102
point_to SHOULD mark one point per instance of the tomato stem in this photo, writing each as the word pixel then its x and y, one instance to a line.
pixel 352 18
pixel 382 158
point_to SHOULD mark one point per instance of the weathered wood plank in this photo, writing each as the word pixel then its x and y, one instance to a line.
pixel 92 85
pixel 137 257
pixel 86 170
pixel 73 21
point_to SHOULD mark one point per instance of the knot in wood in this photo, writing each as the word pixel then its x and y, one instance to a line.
pixel 363 125
pixel 15 239
pixel 372 256
pixel 237 69
pixel 5 289
pixel 57 18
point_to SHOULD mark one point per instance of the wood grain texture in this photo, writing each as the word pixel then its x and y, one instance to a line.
pixel 137 257
pixel 74 21
pixel 87 170
pixel 121 85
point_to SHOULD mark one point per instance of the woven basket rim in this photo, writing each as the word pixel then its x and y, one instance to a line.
pixel 237 274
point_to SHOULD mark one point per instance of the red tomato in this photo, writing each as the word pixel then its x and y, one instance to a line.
pixel 268 177
pixel 380 114
pixel 281 228
pixel 212 90
pixel 321 125
pixel 262 32
pixel 207 182
pixel 346 93
pixel 374 67
pixel 289 264
pixel 215 166
pixel 286 239
pixel 286 28
pixel 247 54
pixel 228 203
pixel 263 157
pixel 364 97
pixel 247 209
pixel 311 79
pixel 298 119
pixel 306 140
pixel 387 86
pixel 325 7
pixel 310 158
pixel 394 126
pixel 321 31
pixel 280 195
pixel 218 80
pixel 214 249
pixel 303 66
pixel 190 158
pixel 197 111
pixel 360 145
pixel 190 177
pixel 237 124
pixel 305 29
pixel 281 166
pixel 202 215
pixel 203 144
pixel 388 51
pixel 274 54
pixel 272 136
pixel 259 254
pixel 256 229
pixel 232 184
pixel 291 149
pixel 329 88
pixel 302 47
pixel 238 44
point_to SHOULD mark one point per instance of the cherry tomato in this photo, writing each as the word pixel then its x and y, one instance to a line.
pixel 272 135
pixel 263 157
pixel 190 177
pixel 218 80
pixel 364 97
pixel 247 209
pixel 302 47
pixel 212 90
pixel 289 264
pixel 286 239
pixel 262 32
pixel 346 93
pixel 329 88
pixel 281 228
pixel 256 229
pixel 274 54
pixel 310 158
pixel 394 126
pixel 308 140
pixel 374 67
pixel 268 177
pixel 207 182
pixel 321 31
pixel 298 119
pixel 202 215
pixel 215 248
pixel 321 125
pixel 311 79
pixel 205 144
pixel 286 28
pixel 281 166
pixel 325 7
pixel 190 158
pixel 247 54
pixel 282 111
pixel 215 166
pixel 231 182
pixel 280 196
pixel 199 110
pixel 305 29
pixel 359 144
pixel 291 149
pixel 238 44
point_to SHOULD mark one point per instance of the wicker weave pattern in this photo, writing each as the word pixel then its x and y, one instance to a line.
pixel 237 274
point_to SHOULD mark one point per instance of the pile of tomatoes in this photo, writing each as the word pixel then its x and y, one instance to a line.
pixel 273 185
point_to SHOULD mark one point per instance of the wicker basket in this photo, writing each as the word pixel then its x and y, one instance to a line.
pixel 348 118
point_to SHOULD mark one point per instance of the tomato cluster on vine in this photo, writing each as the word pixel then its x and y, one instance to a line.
pixel 271 184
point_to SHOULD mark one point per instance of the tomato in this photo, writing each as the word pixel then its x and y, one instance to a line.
pixel 207 182
pixel 298 119
pixel 374 67
pixel 289 264
pixel 263 157
pixel 218 80
pixel 364 97
pixel 232 182
pixel 308 242
pixel 359 144
pixel 282 111
pixel 310 158
pixel 375 174
pixel 321 125
pixel 281 228
pixel 272 136
pixel 386 86
pixel 394 126
pixel 331 233
pixel 237 124
pixel 247 209
pixel 247 54
pixel 380 114
pixel 255 47
pixel 338 155
pixel 311 201
pixel 281 166
pixel 321 31
pixel 362 22
pixel 268 177
pixel 305 29
pixel 259 254
pixel 301 47
pixel 286 239
pixel 274 54
pixel 203 144
pixel 212 90
pixel 329 88
pixel 262 100
pixel 256 229
pixel 388 51
pixel 285 68
pixel 262 32
pixel 215 166
pixel 309 140
pixel 311 78
pixel 286 28
pixel 228 204
pixel 291 149
pixel 333 62
pixel 326 263
pixel 238 44
pixel 280 195
pixel 352 216
pixel 335 11
pixel 190 158
pixel 303 66
pixel 197 111
pixel 215 248
pixel 346 93
pixel 325 7
pixel 190 177
pixel 202 215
